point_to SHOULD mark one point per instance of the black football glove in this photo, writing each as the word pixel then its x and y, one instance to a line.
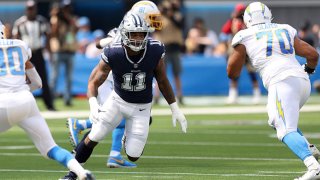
pixel 308 69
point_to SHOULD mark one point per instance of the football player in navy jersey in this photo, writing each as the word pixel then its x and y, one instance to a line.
pixel 149 11
pixel 134 62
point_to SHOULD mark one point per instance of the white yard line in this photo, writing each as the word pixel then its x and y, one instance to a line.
pixel 187 111
pixel 171 143
pixel 170 157
pixel 148 173
pixel 17 147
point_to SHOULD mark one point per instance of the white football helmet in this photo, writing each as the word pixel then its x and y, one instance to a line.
pixel 150 12
pixel 257 13
pixel 132 23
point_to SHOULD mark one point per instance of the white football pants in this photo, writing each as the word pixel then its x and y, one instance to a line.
pixel 137 123
pixel 285 99
pixel 20 108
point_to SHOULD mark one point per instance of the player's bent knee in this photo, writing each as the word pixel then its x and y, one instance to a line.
pixel 281 135
pixel 134 153
pixel 134 146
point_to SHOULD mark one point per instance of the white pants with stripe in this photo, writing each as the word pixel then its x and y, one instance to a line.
pixel 285 99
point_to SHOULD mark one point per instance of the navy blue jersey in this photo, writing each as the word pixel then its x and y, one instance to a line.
pixel 133 75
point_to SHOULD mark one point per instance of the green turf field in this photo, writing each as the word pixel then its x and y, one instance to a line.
pixel 226 146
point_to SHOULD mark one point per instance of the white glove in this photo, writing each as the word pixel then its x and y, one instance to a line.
pixel 94 109
pixel 178 115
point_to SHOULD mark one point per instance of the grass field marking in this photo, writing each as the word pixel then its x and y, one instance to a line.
pixel 190 143
pixel 281 172
pixel 227 122
pixel 178 143
pixel 186 110
pixel 172 157
pixel 17 147
pixel 147 173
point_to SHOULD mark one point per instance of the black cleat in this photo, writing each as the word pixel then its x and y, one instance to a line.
pixel 70 176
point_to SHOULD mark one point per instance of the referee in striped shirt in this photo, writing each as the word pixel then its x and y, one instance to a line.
pixel 34 30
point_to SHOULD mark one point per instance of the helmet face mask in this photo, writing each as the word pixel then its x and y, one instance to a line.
pixel 134 32
pixel 257 13
pixel 134 43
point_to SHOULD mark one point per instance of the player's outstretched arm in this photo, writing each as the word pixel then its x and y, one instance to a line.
pixel 33 79
pixel 104 42
pixel 167 92
pixel 236 61
pixel 98 75
pixel 163 82
pixel 310 53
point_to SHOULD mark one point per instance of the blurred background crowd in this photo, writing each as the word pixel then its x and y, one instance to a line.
pixel 197 35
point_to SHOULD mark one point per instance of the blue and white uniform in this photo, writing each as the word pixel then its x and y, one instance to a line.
pixel 270 48
pixel 17 105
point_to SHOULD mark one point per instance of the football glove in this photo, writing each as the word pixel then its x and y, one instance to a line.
pixel 178 115
pixel 307 69
pixel 94 109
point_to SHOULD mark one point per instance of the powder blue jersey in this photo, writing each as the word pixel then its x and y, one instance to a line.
pixel 133 75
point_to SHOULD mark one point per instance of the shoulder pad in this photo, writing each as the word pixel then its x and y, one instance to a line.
pixel 291 30
pixel 112 33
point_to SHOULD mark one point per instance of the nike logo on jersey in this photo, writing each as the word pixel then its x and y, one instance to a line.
pixel 142 109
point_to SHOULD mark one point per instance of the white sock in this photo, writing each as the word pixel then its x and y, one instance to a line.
pixel 311 163
pixel 114 153
pixel 233 92
pixel 256 92
pixel 75 167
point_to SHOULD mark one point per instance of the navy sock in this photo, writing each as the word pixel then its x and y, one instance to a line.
pixel 83 152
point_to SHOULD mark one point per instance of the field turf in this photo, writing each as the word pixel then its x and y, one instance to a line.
pixel 229 146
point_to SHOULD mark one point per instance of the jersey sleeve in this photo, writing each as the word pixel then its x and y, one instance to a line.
pixel 162 50
pixel 292 31
pixel 105 55
pixel 158 49
pixel 27 53
pixel 237 39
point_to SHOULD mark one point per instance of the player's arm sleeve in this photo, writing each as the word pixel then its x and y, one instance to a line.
pixel 33 79
pixel 237 39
